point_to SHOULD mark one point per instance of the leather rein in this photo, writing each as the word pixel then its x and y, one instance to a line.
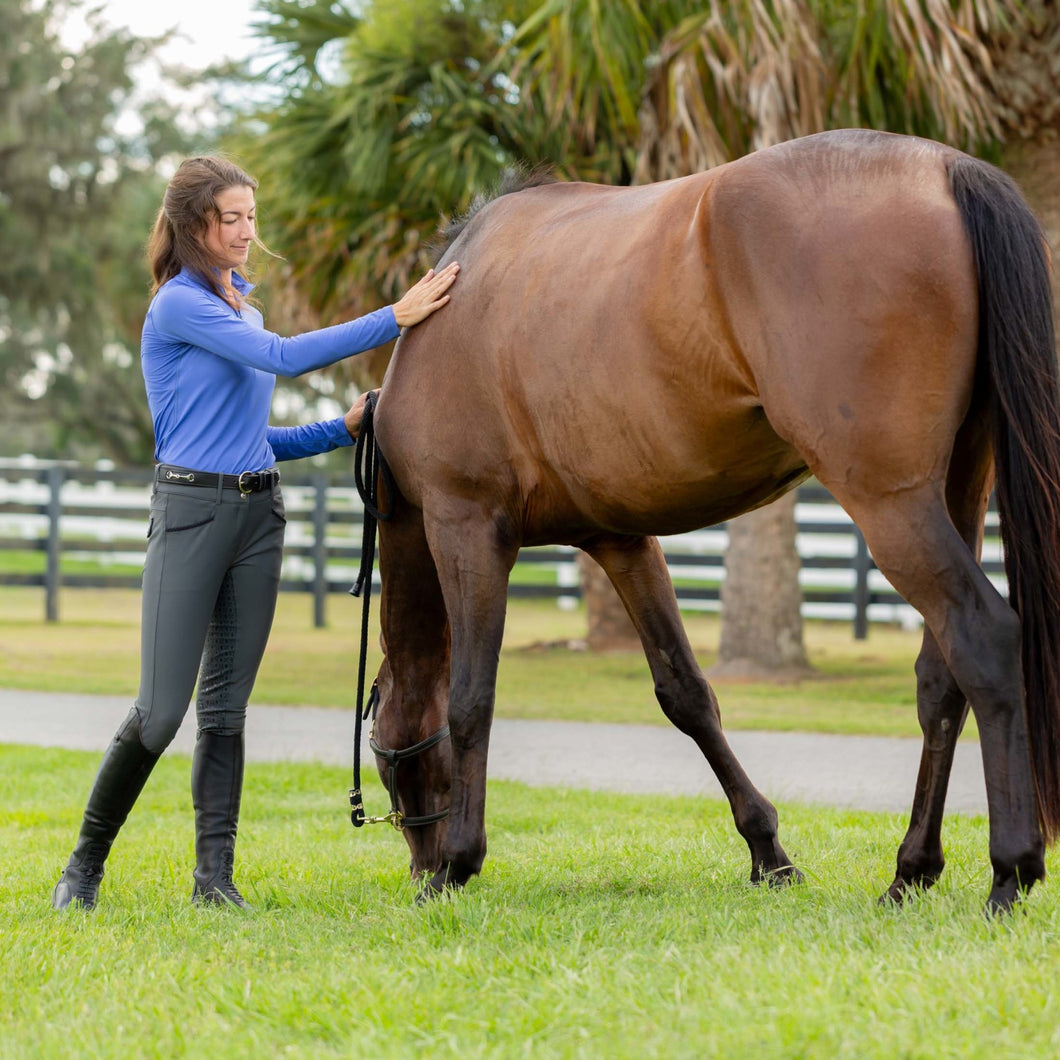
pixel 368 467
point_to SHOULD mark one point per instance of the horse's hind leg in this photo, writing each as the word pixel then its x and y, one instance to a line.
pixel 941 709
pixel 919 550
pixel 941 706
pixel 638 572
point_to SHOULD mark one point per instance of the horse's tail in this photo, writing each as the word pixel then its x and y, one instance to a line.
pixel 1017 351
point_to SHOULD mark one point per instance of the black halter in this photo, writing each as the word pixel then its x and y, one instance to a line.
pixel 393 759
pixel 368 466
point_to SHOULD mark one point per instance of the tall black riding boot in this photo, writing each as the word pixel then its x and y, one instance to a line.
pixel 216 790
pixel 122 774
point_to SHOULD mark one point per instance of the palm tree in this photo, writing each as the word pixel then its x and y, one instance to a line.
pixel 393 119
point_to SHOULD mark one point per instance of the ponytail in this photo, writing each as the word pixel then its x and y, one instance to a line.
pixel 161 252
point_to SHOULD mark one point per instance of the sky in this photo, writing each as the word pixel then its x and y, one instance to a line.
pixel 210 30
pixel 206 32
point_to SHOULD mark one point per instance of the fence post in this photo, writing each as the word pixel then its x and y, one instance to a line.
pixel 54 545
pixel 320 550
pixel 862 565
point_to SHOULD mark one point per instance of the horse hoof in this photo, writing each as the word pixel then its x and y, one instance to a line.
pixel 782 876
pixel 1003 900
pixel 902 890
pixel 427 894
pixel 895 895
pixel 1009 890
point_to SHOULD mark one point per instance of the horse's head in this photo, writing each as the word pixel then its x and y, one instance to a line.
pixel 411 745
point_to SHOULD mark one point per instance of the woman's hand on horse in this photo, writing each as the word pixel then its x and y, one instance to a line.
pixel 353 418
pixel 427 296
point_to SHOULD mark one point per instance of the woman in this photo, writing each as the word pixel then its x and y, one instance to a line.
pixel 217 518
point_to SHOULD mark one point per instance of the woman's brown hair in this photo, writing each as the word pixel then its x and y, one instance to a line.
pixel 188 208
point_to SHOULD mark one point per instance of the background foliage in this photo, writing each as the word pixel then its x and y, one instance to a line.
pixel 380 120
pixel 78 191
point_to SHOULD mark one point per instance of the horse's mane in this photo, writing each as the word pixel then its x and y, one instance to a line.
pixel 513 178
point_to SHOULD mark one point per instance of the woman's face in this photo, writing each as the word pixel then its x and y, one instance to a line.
pixel 230 234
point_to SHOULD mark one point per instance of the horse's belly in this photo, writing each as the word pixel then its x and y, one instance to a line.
pixel 657 490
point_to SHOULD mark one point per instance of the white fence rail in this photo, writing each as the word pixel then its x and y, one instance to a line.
pixel 72 525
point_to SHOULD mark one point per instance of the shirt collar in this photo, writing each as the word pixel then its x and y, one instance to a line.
pixel 243 286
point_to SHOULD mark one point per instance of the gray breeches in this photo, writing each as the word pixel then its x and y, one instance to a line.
pixel 209 594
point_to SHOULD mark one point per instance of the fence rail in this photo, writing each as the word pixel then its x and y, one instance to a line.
pixel 67 526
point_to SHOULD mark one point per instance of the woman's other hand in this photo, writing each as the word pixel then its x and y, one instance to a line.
pixel 353 418
pixel 426 297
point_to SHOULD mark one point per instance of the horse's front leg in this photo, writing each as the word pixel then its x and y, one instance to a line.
pixel 473 568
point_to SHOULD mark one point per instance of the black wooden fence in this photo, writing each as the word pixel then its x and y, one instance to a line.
pixel 66 526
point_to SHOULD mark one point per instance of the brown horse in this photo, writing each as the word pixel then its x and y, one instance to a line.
pixel 623 362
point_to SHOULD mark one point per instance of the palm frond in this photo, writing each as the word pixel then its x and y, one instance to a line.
pixel 588 61
pixel 730 79
pixel 1025 52
pixel 296 32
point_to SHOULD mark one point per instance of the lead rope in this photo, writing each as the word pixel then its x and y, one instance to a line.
pixel 368 467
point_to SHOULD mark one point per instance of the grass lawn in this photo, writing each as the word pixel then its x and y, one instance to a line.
pixel 861 687
pixel 602 926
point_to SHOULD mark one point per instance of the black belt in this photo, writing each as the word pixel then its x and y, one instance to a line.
pixel 247 482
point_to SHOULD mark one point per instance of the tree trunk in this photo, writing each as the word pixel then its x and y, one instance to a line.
pixel 1035 165
pixel 610 628
pixel 1026 81
pixel 761 631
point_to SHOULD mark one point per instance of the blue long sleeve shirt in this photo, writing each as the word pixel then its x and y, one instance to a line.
pixel 210 373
